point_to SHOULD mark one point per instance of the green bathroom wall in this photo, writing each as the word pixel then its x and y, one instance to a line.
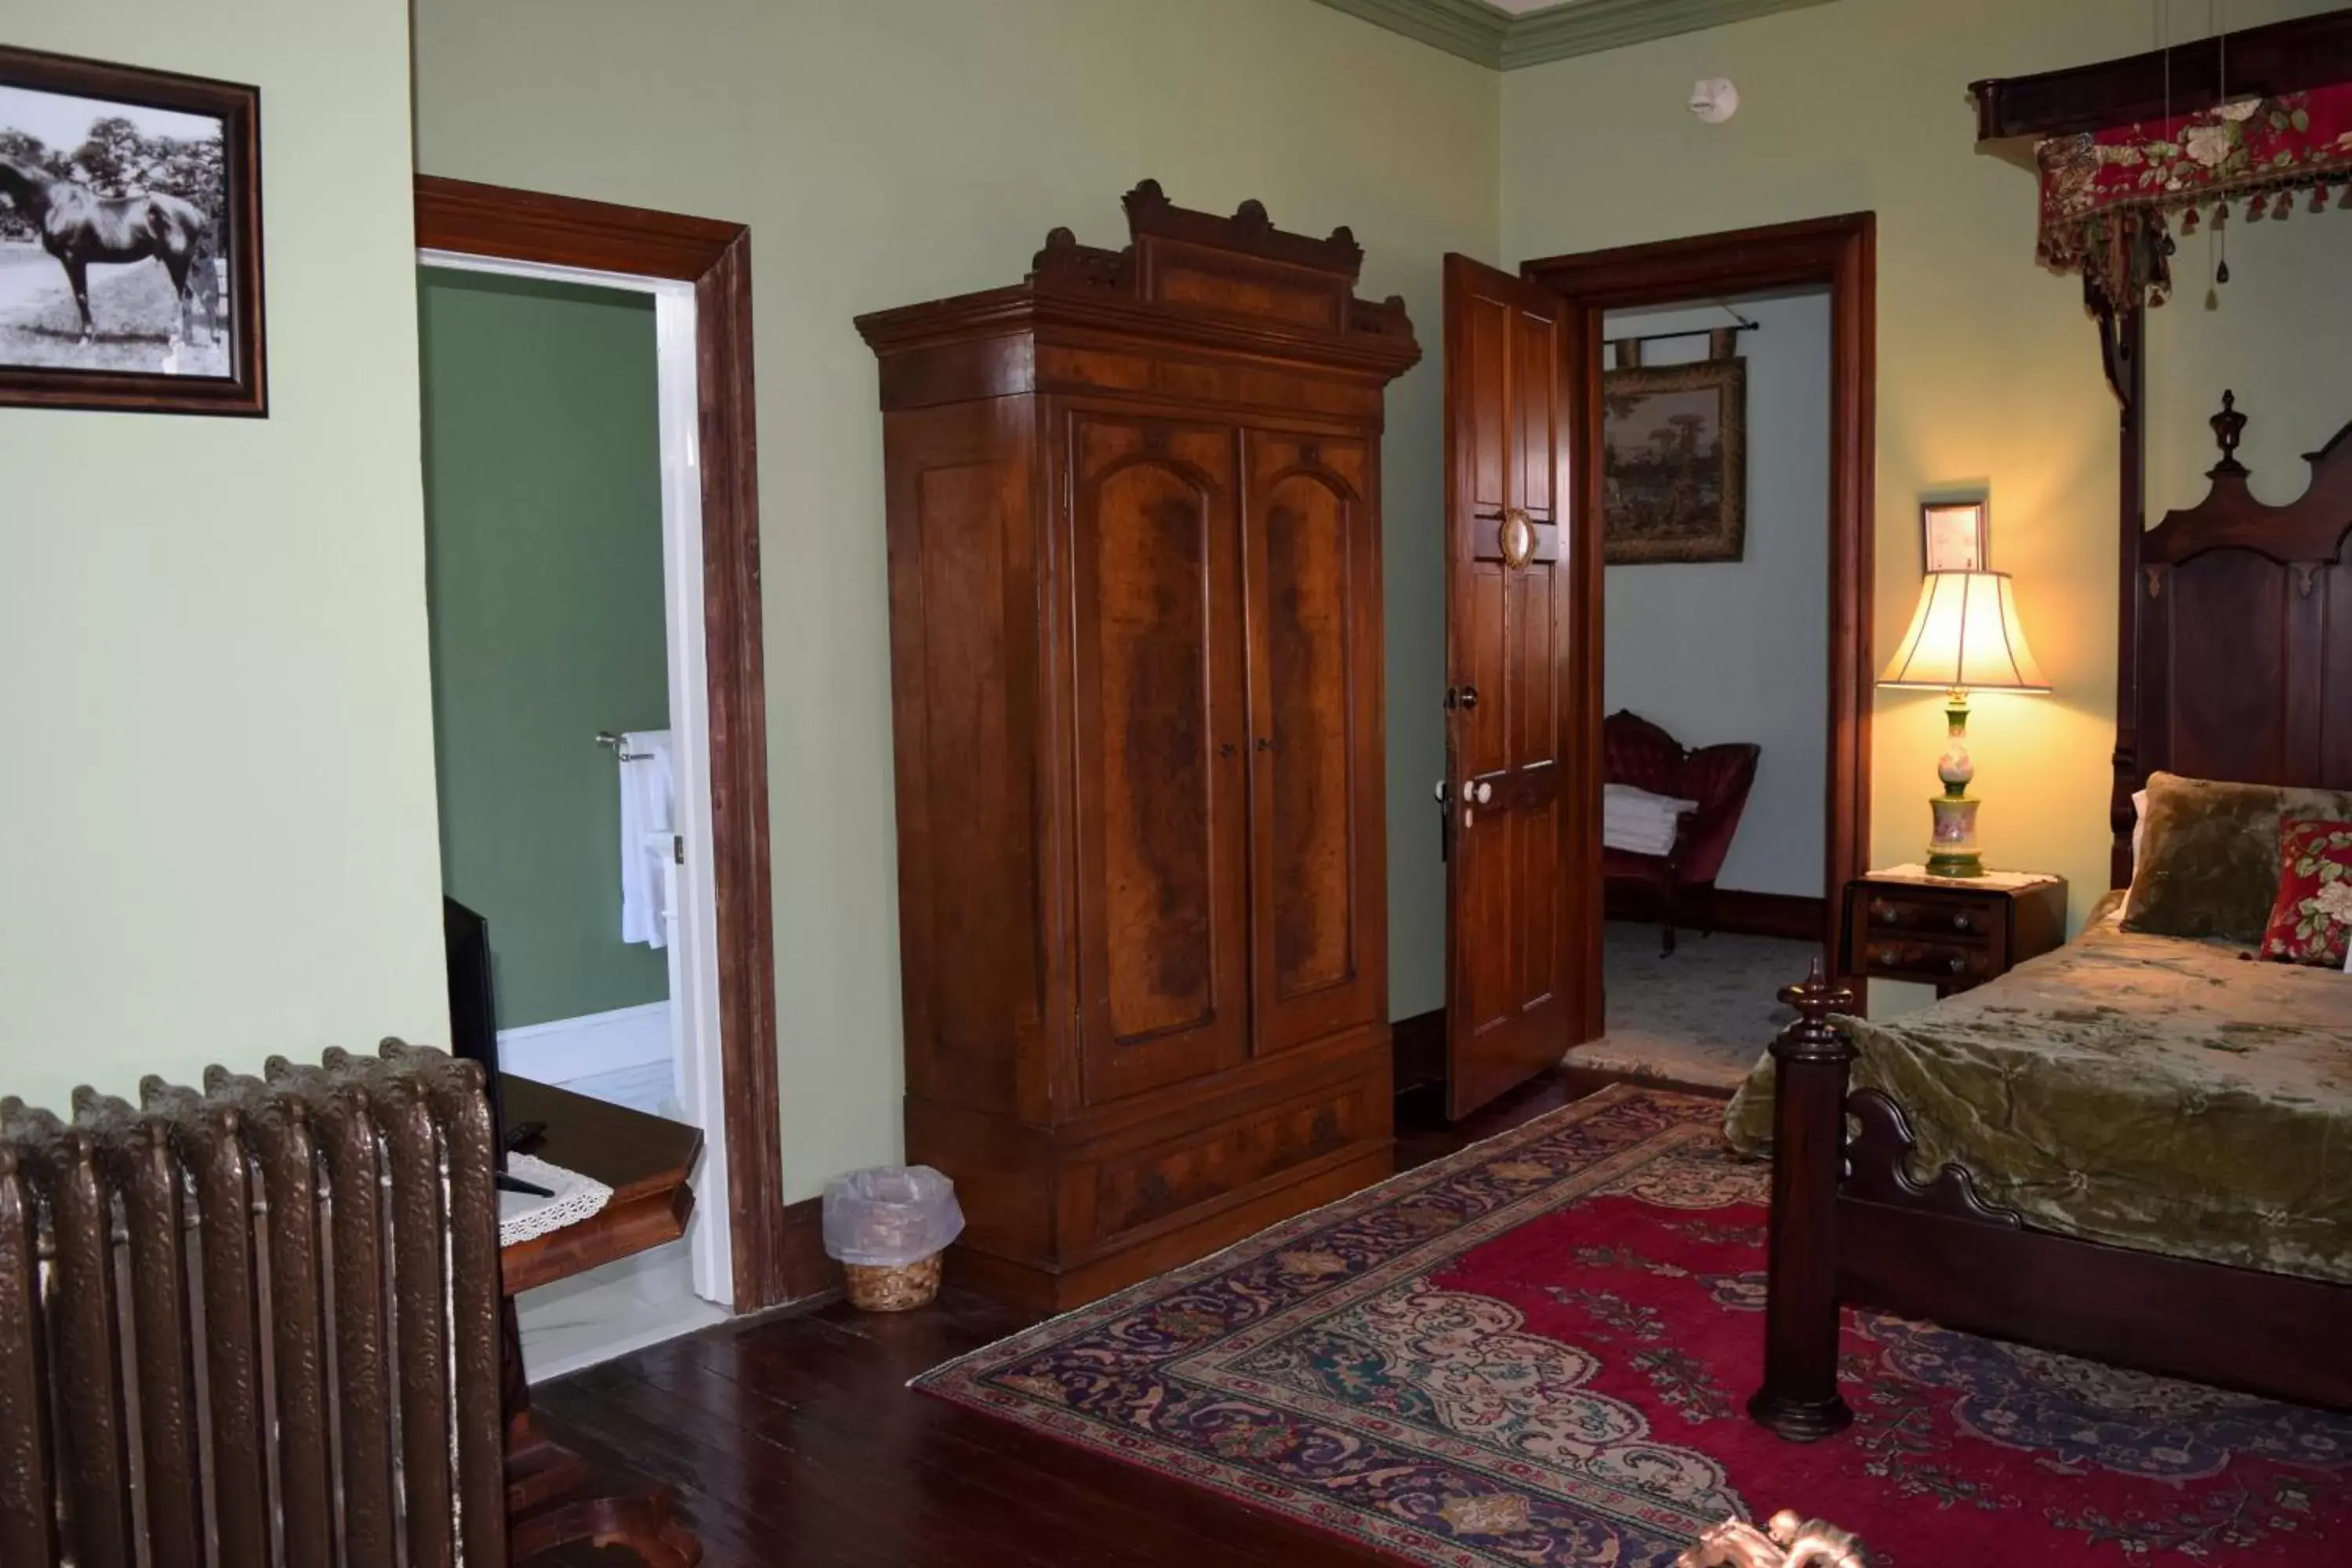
pixel 544 562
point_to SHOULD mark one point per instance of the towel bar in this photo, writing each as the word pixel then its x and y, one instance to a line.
pixel 620 749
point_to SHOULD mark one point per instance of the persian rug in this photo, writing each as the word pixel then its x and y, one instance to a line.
pixel 1536 1353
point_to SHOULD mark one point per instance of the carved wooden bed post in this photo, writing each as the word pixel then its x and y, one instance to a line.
pixel 1800 1397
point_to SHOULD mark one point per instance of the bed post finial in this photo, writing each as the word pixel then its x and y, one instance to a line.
pixel 2228 429
pixel 1815 997
pixel 1799 1400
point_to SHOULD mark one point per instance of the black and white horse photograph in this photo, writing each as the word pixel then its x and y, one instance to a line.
pixel 129 234
pixel 110 255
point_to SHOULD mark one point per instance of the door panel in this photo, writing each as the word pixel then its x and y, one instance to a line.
pixel 1319 954
pixel 1156 570
pixel 1518 765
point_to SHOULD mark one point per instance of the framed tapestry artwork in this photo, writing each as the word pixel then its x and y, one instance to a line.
pixel 1953 535
pixel 130 238
pixel 1674 469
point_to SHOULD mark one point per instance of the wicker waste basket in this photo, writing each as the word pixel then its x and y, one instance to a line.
pixel 888 1226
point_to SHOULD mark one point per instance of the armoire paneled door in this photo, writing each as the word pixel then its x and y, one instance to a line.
pixel 1133 510
pixel 1522 731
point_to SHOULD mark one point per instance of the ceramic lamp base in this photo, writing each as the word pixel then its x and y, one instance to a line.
pixel 1952 850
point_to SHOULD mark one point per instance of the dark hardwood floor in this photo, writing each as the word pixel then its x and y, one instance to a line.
pixel 793 1439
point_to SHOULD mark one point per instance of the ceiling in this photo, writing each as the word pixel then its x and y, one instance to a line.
pixel 1508 34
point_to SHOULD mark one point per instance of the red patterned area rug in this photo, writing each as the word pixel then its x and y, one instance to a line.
pixel 1536 1353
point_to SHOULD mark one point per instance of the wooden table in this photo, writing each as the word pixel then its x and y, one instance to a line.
pixel 646 1161
pixel 1951 933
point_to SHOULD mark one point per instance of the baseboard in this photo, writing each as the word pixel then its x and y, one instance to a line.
pixel 1796 916
pixel 564 1049
pixel 807 1271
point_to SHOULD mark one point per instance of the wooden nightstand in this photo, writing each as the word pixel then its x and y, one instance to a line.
pixel 1951 932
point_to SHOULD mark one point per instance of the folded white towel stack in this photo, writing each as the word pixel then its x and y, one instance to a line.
pixel 647 821
pixel 1639 822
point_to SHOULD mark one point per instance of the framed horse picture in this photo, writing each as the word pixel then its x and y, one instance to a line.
pixel 130 239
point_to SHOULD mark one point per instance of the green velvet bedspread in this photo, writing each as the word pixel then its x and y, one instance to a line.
pixel 2149 1091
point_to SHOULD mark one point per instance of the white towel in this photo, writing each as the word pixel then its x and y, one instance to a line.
pixel 1639 822
pixel 647 823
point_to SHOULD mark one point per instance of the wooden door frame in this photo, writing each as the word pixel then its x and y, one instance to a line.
pixel 562 231
pixel 1841 252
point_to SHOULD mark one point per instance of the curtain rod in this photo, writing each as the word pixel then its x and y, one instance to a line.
pixel 1693 332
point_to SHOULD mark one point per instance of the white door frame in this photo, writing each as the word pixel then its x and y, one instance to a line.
pixel 694 913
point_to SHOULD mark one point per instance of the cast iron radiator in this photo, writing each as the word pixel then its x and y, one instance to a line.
pixel 254 1326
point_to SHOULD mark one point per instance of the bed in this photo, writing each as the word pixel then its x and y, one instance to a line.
pixel 2138 1148
pixel 2148 1092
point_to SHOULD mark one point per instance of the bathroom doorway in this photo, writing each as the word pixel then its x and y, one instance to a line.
pixel 615 410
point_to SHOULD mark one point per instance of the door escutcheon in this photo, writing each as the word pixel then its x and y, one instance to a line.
pixel 1516 538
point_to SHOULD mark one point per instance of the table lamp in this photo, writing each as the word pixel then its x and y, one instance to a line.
pixel 1964 636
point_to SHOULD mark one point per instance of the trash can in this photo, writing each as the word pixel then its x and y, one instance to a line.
pixel 888 1226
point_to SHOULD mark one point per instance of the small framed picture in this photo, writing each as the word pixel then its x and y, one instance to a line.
pixel 130 238
pixel 1953 535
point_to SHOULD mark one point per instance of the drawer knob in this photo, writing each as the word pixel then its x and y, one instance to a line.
pixel 1887 956
pixel 1960 964
pixel 1962 923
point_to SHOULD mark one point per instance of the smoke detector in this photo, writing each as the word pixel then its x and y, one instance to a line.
pixel 1713 99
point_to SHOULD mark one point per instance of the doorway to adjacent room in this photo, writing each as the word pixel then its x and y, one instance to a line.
pixel 596 534
pixel 1715 454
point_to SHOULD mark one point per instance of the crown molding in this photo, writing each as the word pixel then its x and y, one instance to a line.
pixel 1470 28
pixel 1494 37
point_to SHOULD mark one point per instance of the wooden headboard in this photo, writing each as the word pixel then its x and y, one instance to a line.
pixel 2244 611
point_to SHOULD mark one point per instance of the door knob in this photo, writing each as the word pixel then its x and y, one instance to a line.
pixel 1482 792
pixel 1469 698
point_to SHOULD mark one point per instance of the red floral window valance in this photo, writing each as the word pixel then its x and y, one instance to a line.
pixel 2108 197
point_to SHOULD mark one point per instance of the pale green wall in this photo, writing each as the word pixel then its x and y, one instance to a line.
pixel 892 151
pixel 543 572
pixel 1987 368
pixel 219 782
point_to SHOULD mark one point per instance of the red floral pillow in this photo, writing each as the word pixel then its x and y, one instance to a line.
pixel 2312 921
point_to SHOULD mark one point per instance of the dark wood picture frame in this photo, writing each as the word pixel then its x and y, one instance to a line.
pixel 776 1253
pixel 245 389
pixel 1841 253
pixel 1727 537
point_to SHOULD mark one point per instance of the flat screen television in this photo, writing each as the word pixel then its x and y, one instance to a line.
pixel 474 1021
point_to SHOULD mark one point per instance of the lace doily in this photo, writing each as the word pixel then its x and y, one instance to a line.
pixel 524 1215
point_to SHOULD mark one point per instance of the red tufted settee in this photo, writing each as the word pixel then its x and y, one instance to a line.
pixel 1679 884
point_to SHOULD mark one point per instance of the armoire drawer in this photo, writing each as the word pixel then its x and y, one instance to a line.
pixel 1163 1183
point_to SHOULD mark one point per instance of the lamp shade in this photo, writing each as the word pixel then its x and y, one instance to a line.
pixel 1965 635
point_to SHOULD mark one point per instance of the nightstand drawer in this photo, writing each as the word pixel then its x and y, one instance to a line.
pixel 1925 915
pixel 1946 963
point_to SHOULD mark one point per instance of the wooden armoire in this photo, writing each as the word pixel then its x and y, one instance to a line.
pixel 1135 641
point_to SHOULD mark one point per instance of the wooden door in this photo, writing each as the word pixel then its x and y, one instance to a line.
pixel 1521 883
pixel 1161 722
pixel 1318 864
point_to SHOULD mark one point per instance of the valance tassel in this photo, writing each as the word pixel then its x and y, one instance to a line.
pixel 2319 198
pixel 2188 221
pixel 2283 208
pixel 2345 200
